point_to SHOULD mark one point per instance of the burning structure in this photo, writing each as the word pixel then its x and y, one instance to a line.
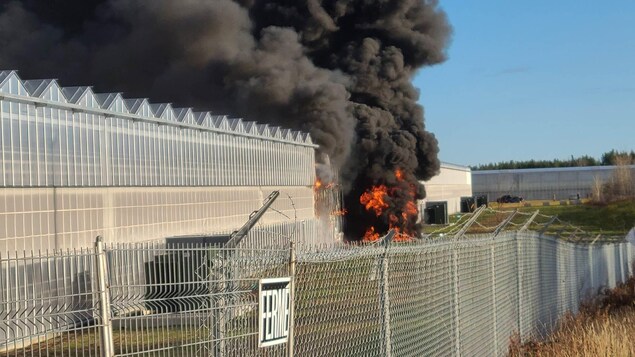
pixel 337 69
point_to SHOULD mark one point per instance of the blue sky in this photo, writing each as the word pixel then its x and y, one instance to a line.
pixel 533 80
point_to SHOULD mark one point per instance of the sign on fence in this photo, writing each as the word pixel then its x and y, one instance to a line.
pixel 273 316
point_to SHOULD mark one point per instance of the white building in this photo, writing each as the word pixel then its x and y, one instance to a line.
pixel 75 164
pixel 452 183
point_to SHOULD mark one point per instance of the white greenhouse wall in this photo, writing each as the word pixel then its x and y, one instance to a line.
pixel 75 164
pixel 61 218
pixel 541 184
pixel 49 143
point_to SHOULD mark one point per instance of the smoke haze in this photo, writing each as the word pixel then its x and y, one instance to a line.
pixel 339 69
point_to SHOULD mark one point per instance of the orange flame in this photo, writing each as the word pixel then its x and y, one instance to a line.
pixel 319 185
pixel 370 235
pixel 375 199
pixel 341 212
pixel 410 210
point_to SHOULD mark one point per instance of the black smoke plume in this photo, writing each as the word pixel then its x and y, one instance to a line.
pixel 339 69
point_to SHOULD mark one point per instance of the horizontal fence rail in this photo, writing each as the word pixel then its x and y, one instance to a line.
pixel 435 298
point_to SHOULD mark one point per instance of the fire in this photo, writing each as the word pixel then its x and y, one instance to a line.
pixel 370 235
pixel 327 199
pixel 375 199
pixel 319 185
pixel 378 199
pixel 341 212
pixel 410 210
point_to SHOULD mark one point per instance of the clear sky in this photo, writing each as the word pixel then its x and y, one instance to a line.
pixel 533 80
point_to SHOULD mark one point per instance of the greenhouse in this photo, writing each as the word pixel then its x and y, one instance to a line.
pixel 77 164
pixel 542 184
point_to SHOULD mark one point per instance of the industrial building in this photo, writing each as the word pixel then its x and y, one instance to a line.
pixel 541 184
pixel 446 190
pixel 77 164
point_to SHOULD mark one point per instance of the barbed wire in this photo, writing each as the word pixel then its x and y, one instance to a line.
pixel 491 220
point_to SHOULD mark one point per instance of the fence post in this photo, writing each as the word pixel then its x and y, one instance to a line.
pixel 105 328
pixel 629 254
pixel 455 278
pixel 222 303
pixel 494 312
pixel 292 263
pixel 624 251
pixel 386 302
pixel 384 297
pixel 519 287
pixel 591 271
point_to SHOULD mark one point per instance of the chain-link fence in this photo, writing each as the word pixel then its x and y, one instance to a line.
pixel 462 297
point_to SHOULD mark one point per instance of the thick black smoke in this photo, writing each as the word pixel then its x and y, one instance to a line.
pixel 340 69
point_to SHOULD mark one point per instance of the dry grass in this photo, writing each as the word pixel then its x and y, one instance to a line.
pixel 605 327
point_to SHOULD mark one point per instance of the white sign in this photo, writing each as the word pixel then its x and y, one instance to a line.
pixel 273 305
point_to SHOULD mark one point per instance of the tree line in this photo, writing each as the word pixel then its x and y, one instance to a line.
pixel 609 158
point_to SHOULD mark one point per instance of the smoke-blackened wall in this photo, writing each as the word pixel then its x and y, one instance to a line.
pixel 339 69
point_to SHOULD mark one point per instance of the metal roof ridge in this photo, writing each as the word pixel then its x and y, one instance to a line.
pixel 73 94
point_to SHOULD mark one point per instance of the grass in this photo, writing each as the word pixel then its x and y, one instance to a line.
pixel 615 218
pixel 603 328
pixel 86 342
pixel 611 221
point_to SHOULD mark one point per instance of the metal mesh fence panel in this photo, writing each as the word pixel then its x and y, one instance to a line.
pixel 338 299
pixel 475 297
pixel 435 298
pixel 465 297
pixel 422 281
pixel 48 304
pixel 189 300
pixel 505 273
